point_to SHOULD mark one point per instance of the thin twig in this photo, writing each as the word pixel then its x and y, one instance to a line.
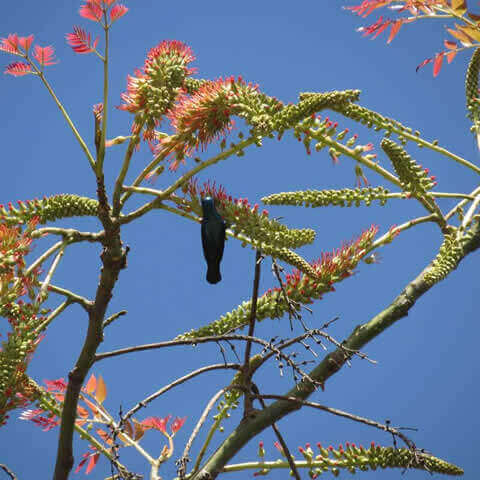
pixel 44 256
pixel 201 421
pixel 386 428
pixel 50 273
pixel 179 381
pixel 251 330
pixel 114 317
pixel 73 297
pixel 199 340
pixel 8 471
pixel 52 316
pixel 282 442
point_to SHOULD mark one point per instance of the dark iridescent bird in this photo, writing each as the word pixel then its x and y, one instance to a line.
pixel 213 239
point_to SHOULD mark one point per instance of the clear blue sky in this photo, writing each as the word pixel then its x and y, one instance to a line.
pixel 426 375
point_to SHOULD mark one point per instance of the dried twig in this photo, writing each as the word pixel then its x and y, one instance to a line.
pixel 179 381
pixel 251 328
pixel 8 471
pixel 386 428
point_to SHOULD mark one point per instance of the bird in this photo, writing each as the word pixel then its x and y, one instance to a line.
pixel 213 239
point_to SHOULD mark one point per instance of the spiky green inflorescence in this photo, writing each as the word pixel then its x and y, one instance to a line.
pixel 309 104
pixel 447 259
pixel 242 218
pixel 191 85
pixel 49 209
pixel 371 119
pixel 471 91
pixel 353 458
pixel 346 197
pixel 332 267
pixel 413 178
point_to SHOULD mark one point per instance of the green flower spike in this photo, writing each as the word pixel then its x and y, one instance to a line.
pixel 50 208
pixel 346 197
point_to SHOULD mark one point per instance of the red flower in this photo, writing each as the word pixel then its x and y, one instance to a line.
pixel 80 41
pixel 157 423
pixel 177 424
pixel 167 51
pixel 44 55
pixel 17 69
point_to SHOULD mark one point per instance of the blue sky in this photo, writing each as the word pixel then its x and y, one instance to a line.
pixel 425 377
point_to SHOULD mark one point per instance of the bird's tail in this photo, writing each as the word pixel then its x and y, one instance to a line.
pixel 213 272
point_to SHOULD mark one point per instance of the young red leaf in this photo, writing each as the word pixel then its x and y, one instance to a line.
pixel 437 63
pixel 177 424
pixel 451 55
pixel 91 384
pixel 92 462
pixel 81 464
pixel 129 429
pixel 139 430
pixel 105 436
pixel 465 39
pixel 92 407
pixel 382 27
pixel 58 385
pixel 425 62
pixel 10 44
pixel 394 30
pixel 101 393
pixel 449 44
pixel 44 55
pixel 117 11
pixel 17 69
pixel 82 412
pixel 81 41
pixel 26 42
pixel 91 10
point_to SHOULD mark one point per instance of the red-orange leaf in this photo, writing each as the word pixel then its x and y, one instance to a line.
pixel 464 38
pixel 425 62
pixel 101 393
pixel 91 384
pixel 139 430
pixel 92 462
pixel 474 17
pixel 381 29
pixel 129 429
pixel 105 436
pixel 437 63
pixel 17 69
pixel 394 30
pixel 449 44
pixel 92 407
pixel 82 412
pixel 459 6
pixel 451 55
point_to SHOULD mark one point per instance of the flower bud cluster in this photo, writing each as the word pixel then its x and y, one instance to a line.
pixel 152 91
pixel 241 217
pixel 372 119
pixel 49 209
pixel 447 259
pixel 23 318
pixel 414 179
pixel 353 458
pixel 471 87
pixel 309 104
pixel 346 197
pixel 301 288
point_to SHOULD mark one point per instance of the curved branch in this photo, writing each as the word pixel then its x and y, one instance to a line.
pixel 330 365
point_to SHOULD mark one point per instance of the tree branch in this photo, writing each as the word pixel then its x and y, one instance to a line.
pixel 8 471
pixel 247 374
pixel 330 365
